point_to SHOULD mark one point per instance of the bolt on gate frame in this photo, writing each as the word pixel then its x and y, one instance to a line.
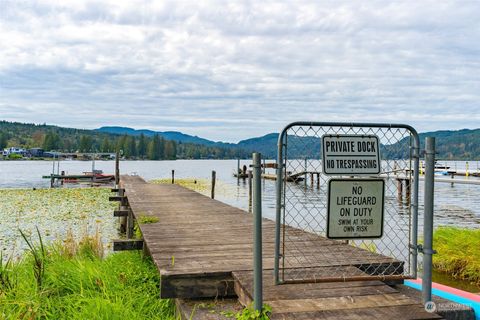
pixel 301 207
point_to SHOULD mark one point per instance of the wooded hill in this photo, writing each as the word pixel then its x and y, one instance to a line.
pixel 146 144
pixel 152 147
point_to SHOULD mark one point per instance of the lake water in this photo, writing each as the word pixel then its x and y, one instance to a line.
pixel 457 205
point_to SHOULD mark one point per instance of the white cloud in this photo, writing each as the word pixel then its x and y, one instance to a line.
pixel 232 70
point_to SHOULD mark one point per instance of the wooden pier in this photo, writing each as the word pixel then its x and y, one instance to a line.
pixel 203 249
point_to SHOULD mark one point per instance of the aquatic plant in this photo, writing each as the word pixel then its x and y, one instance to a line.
pixel 38 254
pixel 199 185
pixel 458 253
pixel 56 212
pixel 84 286
pixel 202 186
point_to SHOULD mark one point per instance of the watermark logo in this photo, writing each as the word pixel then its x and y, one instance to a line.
pixel 430 306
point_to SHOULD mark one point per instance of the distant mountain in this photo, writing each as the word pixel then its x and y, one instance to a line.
pixel 266 145
pixel 450 144
pixel 168 135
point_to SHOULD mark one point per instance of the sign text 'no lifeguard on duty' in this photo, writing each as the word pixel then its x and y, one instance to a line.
pixel 355 208
pixel 350 154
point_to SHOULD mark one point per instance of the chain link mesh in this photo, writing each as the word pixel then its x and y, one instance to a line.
pixel 310 256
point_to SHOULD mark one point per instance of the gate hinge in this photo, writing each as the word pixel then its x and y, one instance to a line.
pixel 422 250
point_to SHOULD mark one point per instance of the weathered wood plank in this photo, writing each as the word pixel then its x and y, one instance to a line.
pixel 412 312
pixel 117 198
pixel 132 244
pixel 120 213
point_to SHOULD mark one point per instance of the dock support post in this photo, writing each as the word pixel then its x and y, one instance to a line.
pixel 214 176
pixel 399 189
pixel 250 190
pixel 318 180
pixel 123 220
pixel 407 190
pixel 130 224
pixel 428 219
pixel 239 170
pixel 306 170
pixel 117 169
pixel 173 176
pixel 311 179
pixel 257 236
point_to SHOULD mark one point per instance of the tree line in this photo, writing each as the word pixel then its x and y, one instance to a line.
pixel 51 138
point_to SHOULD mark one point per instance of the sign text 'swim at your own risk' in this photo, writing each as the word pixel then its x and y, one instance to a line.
pixel 350 154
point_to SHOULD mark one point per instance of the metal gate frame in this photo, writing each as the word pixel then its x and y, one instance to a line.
pixel 415 155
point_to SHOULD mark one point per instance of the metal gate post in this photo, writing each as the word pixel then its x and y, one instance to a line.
pixel 428 219
pixel 278 208
pixel 414 204
pixel 257 236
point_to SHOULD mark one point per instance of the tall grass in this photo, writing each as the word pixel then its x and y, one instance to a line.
pixel 76 283
pixel 458 253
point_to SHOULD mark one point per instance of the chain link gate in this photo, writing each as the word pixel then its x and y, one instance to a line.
pixel 303 253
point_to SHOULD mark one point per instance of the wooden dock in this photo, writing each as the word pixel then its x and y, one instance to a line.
pixel 203 249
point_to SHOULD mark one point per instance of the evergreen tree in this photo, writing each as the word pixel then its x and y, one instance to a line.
pixel 161 147
pixel 86 143
pixel 142 146
pixel 51 142
pixel 154 146
pixel 170 150
pixel 105 145
pixel 121 143
pixel 130 148
pixel 3 140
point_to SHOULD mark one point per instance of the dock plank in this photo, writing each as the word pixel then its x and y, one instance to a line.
pixel 203 249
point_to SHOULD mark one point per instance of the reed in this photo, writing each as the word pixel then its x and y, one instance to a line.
pixel 458 253
pixel 76 283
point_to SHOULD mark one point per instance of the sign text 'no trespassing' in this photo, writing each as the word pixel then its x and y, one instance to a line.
pixel 350 154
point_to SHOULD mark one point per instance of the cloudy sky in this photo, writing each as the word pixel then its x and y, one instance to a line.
pixel 228 70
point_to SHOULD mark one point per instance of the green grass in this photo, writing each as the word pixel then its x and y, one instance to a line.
pixel 81 285
pixel 458 253
pixel 147 219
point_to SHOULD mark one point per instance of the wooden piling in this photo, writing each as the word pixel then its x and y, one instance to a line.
pixel 305 177
pixel 214 176
pixel 123 220
pixel 173 176
pixel 318 180
pixel 130 224
pixel 399 189
pixel 407 190
pixel 117 169
pixel 311 179
pixel 249 190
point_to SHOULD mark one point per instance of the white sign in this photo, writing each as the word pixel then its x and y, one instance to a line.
pixel 355 208
pixel 350 154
